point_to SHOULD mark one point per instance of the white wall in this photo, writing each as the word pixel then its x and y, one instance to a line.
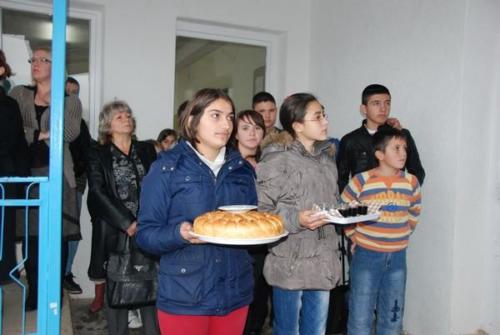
pixel 139 47
pixel 475 296
pixel 438 59
pixel 139 59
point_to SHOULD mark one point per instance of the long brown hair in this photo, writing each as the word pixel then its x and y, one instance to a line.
pixel 196 107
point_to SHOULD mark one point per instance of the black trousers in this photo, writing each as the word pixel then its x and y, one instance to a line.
pixel 258 310
pixel 8 261
pixel 118 320
pixel 31 265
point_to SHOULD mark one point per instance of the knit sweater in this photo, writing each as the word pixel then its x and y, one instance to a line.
pixel 25 97
pixel 400 198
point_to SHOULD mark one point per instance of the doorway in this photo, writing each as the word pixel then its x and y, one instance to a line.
pixel 24 31
pixel 234 44
pixel 238 69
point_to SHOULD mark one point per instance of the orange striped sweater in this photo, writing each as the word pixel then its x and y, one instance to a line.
pixel 401 203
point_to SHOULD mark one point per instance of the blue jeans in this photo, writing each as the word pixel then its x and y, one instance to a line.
pixel 300 312
pixel 378 281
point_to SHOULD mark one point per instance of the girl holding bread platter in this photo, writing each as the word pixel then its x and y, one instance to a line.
pixel 203 288
pixel 296 171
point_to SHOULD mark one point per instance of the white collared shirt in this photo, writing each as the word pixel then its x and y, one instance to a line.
pixel 215 165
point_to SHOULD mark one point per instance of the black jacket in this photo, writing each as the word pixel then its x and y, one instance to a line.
pixel 14 159
pixel 110 217
pixel 79 149
pixel 356 154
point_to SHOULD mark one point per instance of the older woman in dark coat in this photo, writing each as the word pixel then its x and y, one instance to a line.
pixel 116 168
pixel 13 162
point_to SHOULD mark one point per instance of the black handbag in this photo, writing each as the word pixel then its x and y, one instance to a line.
pixel 39 153
pixel 338 311
pixel 131 279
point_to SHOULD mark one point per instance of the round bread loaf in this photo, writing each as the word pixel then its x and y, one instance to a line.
pixel 249 225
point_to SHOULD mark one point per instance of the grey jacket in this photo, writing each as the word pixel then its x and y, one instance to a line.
pixel 289 180
pixel 25 97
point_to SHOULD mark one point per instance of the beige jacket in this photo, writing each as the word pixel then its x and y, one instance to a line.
pixel 290 179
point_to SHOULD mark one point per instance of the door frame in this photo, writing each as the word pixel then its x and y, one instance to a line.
pixel 273 41
pixel 94 14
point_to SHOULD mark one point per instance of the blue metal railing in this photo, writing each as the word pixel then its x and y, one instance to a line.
pixel 50 195
pixel 26 204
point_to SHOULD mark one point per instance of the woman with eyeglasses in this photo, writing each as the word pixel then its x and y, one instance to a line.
pixel 34 104
pixel 296 171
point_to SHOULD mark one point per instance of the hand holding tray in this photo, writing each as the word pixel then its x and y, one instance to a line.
pixel 350 215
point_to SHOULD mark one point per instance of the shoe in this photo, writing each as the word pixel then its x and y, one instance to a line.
pixel 70 285
pixel 98 302
pixel 134 319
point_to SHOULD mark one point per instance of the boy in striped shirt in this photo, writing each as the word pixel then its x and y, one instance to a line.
pixel 378 266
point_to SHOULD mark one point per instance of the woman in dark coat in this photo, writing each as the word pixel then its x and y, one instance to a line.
pixel 115 171
pixel 13 162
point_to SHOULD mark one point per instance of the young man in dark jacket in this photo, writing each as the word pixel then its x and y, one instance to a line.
pixel 265 104
pixel 356 153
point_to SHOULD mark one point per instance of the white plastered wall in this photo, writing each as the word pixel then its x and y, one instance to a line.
pixel 139 60
pixel 438 59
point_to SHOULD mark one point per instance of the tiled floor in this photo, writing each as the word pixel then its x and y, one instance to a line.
pixel 12 308
pixel 86 323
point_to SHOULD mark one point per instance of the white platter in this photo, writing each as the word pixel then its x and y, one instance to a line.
pixel 238 209
pixel 351 219
pixel 239 241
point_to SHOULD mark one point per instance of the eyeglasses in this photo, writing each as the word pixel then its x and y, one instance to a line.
pixel 318 118
pixel 41 60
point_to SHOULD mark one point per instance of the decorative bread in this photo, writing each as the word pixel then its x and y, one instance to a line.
pixel 249 225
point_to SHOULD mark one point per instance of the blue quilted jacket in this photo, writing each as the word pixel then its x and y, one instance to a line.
pixel 202 279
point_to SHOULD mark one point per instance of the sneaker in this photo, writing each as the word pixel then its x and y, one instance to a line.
pixel 70 285
pixel 134 319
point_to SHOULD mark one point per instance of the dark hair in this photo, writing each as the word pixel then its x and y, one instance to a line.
pixel 166 133
pixel 372 90
pixel 257 119
pixel 72 81
pixel 154 143
pixel 181 109
pixel 293 109
pixel 3 63
pixel 262 97
pixel 195 109
pixel 384 134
